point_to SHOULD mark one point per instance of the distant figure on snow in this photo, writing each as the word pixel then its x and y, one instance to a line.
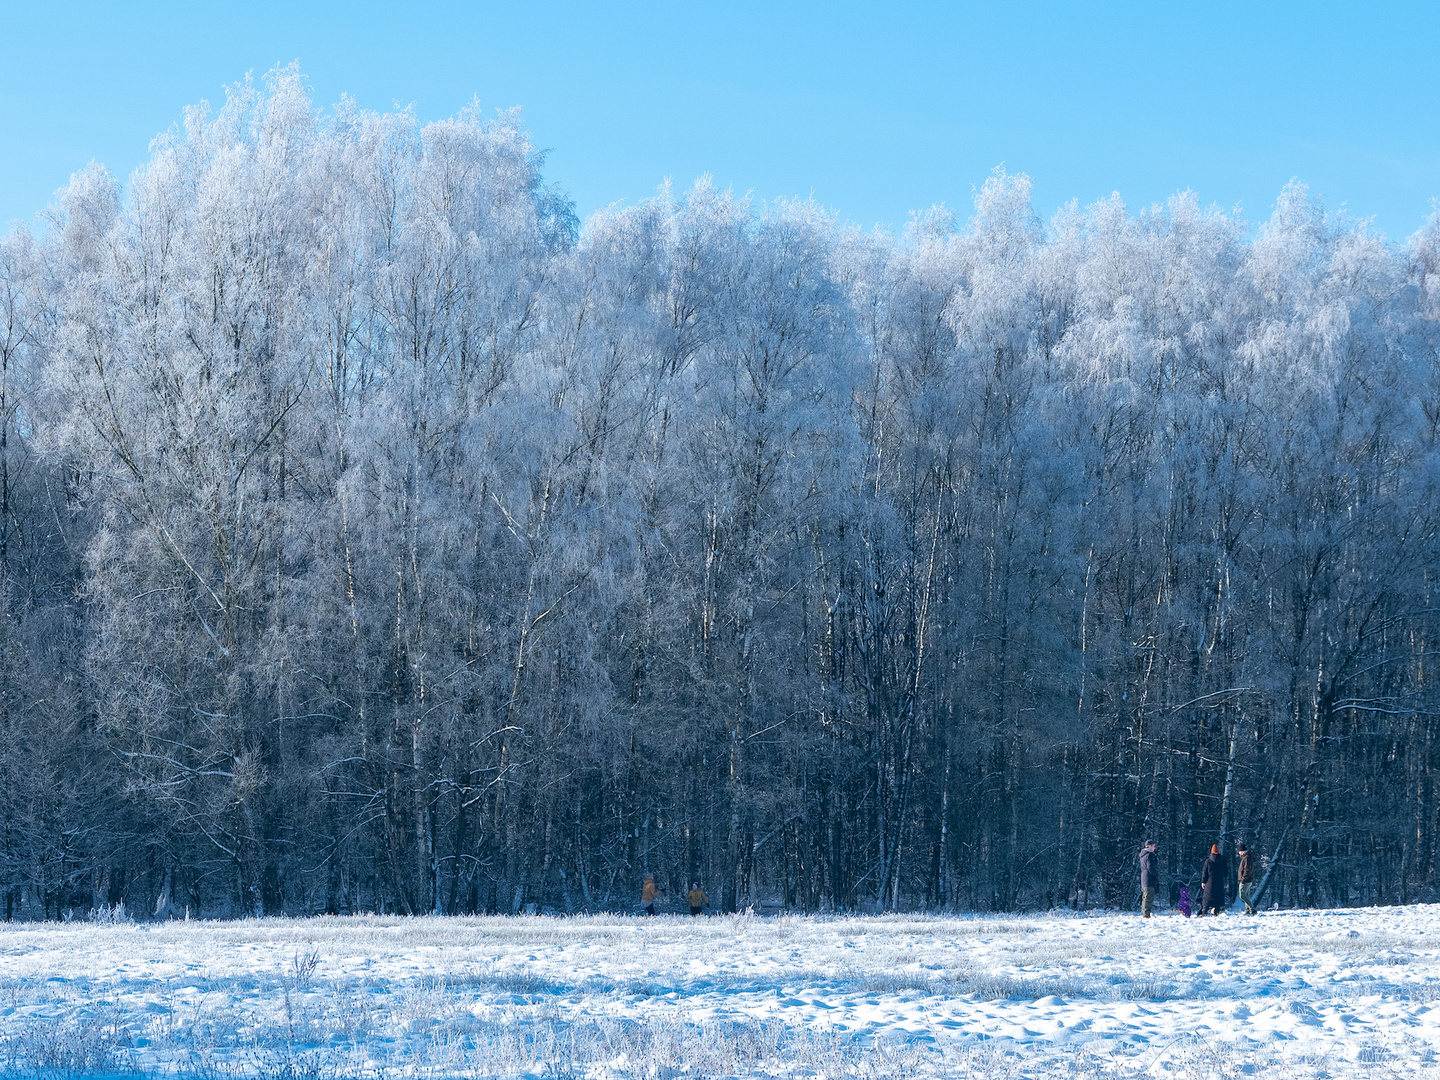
pixel 1184 904
pixel 1212 883
pixel 1245 871
pixel 697 898
pixel 1149 877
pixel 648 894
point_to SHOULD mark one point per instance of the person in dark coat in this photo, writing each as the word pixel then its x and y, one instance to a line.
pixel 1149 877
pixel 1212 882
pixel 1245 872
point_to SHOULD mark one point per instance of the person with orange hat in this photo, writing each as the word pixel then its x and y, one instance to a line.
pixel 1212 882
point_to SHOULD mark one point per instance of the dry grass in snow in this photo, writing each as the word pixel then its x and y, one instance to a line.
pixel 1351 993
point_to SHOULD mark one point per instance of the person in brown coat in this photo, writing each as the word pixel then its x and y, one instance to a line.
pixel 697 898
pixel 648 894
pixel 1245 871
pixel 1149 877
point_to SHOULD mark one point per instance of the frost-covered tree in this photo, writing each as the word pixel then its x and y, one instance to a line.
pixel 374 537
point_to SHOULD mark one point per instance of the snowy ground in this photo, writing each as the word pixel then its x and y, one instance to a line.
pixel 1293 994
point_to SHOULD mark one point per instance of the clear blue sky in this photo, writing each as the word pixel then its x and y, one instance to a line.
pixel 876 109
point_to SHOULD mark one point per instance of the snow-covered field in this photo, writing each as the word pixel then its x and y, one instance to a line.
pixel 1303 994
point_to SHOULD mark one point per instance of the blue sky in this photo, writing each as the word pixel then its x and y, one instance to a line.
pixel 876 109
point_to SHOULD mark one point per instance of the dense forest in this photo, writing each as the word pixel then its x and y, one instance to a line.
pixel 376 536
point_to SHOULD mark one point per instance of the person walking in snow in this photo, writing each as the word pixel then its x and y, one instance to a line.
pixel 1245 872
pixel 648 894
pixel 1212 883
pixel 1149 878
pixel 697 898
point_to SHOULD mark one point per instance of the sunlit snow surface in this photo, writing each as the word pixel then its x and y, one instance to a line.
pixel 1304 994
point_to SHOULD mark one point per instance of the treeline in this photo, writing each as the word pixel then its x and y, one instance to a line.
pixel 374 537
